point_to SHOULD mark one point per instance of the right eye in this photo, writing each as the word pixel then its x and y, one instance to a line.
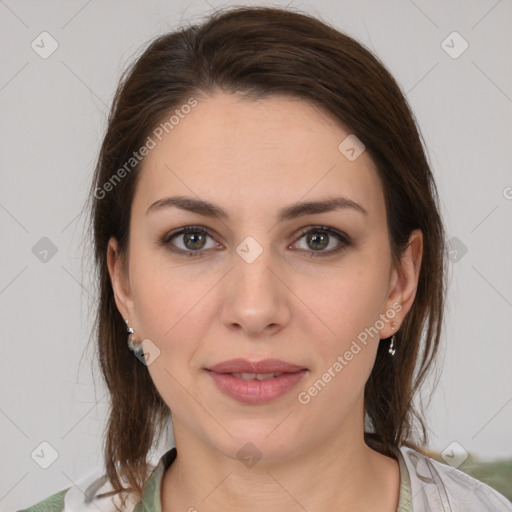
pixel 193 240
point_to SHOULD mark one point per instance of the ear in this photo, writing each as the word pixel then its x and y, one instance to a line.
pixel 120 281
pixel 404 283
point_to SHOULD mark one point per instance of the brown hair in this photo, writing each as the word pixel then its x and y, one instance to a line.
pixel 260 51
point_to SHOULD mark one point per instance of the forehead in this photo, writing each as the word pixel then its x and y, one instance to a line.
pixel 238 150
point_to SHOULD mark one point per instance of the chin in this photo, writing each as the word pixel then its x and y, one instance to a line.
pixel 257 440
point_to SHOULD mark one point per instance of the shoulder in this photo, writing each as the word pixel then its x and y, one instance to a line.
pixel 91 492
pixel 86 495
pixel 438 486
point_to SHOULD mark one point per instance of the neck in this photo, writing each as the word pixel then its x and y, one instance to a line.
pixel 338 473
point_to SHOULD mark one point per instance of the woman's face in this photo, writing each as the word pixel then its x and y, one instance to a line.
pixel 268 278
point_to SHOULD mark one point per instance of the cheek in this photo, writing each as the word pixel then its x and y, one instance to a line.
pixel 345 359
pixel 167 295
pixel 348 303
pixel 171 310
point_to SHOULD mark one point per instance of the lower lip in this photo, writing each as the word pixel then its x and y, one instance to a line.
pixel 256 391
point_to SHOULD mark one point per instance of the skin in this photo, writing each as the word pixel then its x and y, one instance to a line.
pixel 252 158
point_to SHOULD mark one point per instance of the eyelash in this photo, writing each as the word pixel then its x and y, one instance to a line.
pixel 342 237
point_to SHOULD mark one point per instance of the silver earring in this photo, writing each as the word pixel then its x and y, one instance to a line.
pixel 392 349
pixel 132 345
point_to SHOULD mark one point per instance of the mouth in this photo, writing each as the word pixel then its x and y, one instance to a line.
pixel 256 382
pixel 264 367
pixel 257 376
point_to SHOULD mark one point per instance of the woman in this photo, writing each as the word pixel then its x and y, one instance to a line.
pixel 268 242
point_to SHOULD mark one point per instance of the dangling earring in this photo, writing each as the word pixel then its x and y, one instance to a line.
pixel 392 349
pixel 132 345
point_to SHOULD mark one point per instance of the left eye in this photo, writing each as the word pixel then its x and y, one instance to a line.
pixel 322 240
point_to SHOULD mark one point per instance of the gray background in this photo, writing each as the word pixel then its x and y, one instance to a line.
pixel 53 117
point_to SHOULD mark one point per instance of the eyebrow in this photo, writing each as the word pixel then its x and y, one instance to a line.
pixel 208 209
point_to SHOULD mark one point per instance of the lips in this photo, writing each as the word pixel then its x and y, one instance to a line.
pixel 266 366
pixel 256 382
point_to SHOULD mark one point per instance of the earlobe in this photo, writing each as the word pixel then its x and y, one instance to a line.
pixel 119 280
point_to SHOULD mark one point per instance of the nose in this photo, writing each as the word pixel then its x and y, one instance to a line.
pixel 256 300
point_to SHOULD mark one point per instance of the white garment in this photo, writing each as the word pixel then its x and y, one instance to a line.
pixel 437 487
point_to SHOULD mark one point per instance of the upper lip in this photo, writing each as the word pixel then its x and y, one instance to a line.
pixel 265 366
